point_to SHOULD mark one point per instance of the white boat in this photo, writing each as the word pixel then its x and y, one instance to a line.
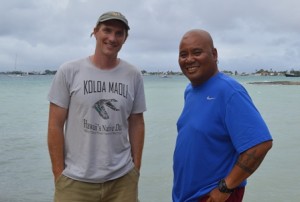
pixel 165 76
pixel 16 73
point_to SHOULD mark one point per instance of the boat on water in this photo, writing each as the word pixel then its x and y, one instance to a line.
pixel 292 75
pixel 18 75
pixel 164 76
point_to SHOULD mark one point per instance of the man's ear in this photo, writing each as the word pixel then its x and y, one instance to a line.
pixel 96 29
pixel 215 54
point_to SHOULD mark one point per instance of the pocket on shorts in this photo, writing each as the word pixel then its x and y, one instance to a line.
pixel 133 175
pixel 63 182
pixel 58 179
pixel 136 171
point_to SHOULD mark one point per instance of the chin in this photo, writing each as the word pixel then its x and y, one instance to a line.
pixel 196 80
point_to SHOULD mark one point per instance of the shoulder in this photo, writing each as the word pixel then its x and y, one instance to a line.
pixel 225 87
pixel 130 69
pixel 68 71
pixel 72 67
pixel 129 66
pixel 228 84
pixel 73 64
pixel 234 93
pixel 229 81
pixel 188 88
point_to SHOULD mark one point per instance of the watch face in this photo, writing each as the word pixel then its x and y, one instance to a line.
pixel 223 187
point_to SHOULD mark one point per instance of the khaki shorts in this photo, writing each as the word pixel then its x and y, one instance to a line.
pixel 122 189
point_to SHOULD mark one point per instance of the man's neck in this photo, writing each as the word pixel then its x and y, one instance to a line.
pixel 104 62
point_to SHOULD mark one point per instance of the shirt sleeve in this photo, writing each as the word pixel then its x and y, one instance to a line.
pixel 245 124
pixel 59 93
pixel 139 105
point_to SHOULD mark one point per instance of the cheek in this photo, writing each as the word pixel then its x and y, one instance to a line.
pixel 180 62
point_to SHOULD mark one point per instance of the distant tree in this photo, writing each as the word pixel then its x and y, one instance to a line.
pixel 260 71
pixel 47 71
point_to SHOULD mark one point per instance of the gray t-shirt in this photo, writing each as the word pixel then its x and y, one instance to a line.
pixel 99 102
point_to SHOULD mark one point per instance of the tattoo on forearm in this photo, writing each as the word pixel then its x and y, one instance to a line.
pixel 244 167
pixel 249 161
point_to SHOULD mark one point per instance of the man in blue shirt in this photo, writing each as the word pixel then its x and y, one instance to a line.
pixel 222 138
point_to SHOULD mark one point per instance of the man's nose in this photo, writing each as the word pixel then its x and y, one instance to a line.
pixel 189 59
pixel 112 37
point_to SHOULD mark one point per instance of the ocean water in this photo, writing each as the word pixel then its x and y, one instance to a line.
pixel 25 169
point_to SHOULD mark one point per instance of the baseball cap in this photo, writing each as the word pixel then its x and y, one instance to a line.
pixel 113 15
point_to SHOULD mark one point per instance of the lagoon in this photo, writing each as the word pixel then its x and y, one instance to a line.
pixel 25 164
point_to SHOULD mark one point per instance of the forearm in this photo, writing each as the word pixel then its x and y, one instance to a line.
pixel 56 150
pixel 136 138
pixel 57 118
pixel 247 164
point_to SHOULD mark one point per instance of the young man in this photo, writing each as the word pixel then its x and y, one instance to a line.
pixel 222 138
pixel 96 124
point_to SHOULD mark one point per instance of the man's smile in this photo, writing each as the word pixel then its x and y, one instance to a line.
pixel 192 69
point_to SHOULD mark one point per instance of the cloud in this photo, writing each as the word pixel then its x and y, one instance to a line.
pixel 248 35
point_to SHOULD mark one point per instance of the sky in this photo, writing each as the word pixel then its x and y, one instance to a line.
pixel 36 35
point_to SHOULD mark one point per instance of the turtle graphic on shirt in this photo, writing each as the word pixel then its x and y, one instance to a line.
pixel 100 107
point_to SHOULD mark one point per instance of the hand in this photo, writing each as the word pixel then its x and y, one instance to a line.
pixel 217 196
pixel 56 176
pixel 137 166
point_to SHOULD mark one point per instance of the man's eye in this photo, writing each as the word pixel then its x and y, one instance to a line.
pixel 183 55
pixel 197 53
pixel 120 34
pixel 106 30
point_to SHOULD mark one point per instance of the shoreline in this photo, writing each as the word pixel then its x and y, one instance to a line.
pixel 276 83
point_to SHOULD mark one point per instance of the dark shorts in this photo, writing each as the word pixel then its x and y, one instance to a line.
pixel 236 196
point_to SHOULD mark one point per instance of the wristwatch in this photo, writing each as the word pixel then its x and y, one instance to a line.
pixel 223 187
